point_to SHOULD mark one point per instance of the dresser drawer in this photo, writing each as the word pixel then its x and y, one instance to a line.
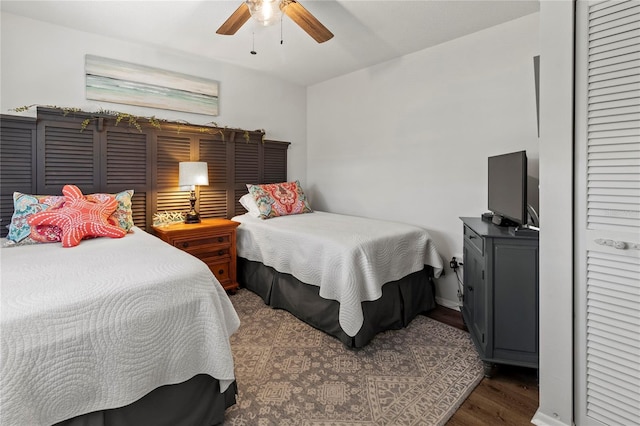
pixel 474 239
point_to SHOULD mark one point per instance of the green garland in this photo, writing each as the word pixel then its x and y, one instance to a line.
pixel 137 121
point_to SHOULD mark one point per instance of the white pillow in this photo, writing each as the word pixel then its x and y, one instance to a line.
pixel 249 203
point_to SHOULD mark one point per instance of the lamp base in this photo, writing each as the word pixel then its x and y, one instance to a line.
pixel 192 215
pixel 192 218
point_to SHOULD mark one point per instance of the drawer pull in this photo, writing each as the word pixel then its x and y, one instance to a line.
pixel 220 271
pixel 220 252
pixel 220 239
pixel 470 288
pixel 185 245
pixel 471 237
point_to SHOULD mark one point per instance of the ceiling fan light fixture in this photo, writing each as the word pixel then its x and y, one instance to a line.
pixel 266 12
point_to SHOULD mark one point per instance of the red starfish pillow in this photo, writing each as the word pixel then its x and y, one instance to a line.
pixel 80 218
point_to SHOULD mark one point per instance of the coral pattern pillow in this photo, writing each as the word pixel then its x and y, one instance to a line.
pixel 25 205
pixel 279 199
pixel 80 218
pixel 123 215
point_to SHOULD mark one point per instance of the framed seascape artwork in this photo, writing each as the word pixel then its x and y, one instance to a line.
pixel 122 82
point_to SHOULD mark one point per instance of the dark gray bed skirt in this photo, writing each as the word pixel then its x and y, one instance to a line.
pixel 401 301
pixel 197 401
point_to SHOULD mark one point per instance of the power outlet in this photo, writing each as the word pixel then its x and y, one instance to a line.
pixel 454 263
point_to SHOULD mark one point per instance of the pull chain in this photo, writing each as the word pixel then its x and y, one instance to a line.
pixel 253 43
pixel 281 41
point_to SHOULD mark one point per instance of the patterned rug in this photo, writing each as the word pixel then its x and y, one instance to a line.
pixel 289 373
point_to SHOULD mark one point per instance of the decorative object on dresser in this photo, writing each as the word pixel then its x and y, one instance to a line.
pixel 192 173
pixel 167 218
pixel 212 240
pixel 500 301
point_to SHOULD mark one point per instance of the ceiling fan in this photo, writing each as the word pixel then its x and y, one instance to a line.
pixel 268 12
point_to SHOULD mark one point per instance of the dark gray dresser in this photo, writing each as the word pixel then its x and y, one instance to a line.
pixel 500 304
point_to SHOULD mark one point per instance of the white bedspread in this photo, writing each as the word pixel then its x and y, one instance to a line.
pixel 102 324
pixel 348 257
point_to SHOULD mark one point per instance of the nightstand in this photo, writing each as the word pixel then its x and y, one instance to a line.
pixel 213 241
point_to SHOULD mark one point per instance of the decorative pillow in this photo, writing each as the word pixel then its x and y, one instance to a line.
pixel 250 205
pixel 45 233
pixel 25 205
pixel 279 199
pixel 80 218
pixel 123 215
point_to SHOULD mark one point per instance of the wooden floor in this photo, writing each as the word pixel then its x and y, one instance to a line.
pixel 509 397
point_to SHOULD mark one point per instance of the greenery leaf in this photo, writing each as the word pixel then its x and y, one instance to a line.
pixel 134 120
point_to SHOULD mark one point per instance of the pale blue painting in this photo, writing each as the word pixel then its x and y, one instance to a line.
pixel 121 82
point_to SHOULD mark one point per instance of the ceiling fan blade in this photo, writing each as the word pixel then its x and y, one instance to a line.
pixel 306 21
pixel 235 21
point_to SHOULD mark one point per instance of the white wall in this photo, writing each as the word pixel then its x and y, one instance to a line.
pixel 556 195
pixel 44 64
pixel 408 140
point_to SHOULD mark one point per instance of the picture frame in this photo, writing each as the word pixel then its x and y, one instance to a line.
pixel 121 82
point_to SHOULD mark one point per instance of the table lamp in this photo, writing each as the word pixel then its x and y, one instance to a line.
pixel 192 173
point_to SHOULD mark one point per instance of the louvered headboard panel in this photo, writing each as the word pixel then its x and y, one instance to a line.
pixel 66 155
pixel 17 163
pixel 44 154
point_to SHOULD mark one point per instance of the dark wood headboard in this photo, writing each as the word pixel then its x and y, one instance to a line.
pixel 41 155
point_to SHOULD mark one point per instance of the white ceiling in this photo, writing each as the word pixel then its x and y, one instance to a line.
pixel 366 32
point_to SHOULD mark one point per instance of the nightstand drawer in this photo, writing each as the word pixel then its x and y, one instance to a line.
pixel 221 271
pixel 203 242
pixel 218 253
pixel 214 257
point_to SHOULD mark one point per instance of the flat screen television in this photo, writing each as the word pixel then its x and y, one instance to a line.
pixel 508 188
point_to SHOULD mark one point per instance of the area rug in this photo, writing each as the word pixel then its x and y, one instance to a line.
pixel 289 373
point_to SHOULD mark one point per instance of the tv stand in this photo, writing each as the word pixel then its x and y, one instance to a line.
pixel 500 296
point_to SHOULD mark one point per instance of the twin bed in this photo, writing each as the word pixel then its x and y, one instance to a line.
pixel 134 331
pixel 130 322
pixel 351 277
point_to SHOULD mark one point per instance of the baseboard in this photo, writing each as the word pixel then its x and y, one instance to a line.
pixel 542 419
pixel 448 303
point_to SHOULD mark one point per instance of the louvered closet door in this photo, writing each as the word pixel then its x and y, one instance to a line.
pixel 607 255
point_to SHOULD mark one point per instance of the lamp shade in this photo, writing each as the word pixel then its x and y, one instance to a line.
pixel 192 173
pixel 266 12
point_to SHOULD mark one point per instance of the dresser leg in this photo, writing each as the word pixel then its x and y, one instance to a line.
pixel 488 369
